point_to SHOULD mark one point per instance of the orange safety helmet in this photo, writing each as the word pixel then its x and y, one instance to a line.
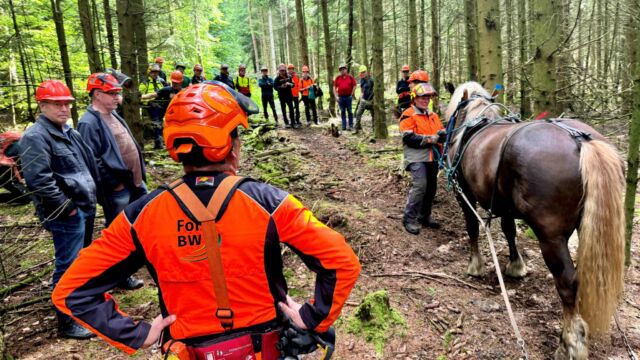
pixel 305 68
pixel 176 76
pixel 405 68
pixel 197 67
pixel 290 66
pixel 423 89
pixel 103 82
pixel 53 90
pixel 419 75
pixel 207 114
pixel 159 60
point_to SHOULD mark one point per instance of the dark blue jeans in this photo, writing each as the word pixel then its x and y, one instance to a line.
pixel 118 200
pixel 345 105
pixel 70 234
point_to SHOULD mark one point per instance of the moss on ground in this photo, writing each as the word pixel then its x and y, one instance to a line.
pixel 375 320
pixel 138 297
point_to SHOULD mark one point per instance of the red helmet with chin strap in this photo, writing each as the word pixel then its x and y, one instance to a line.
pixel 103 82
pixel 53 90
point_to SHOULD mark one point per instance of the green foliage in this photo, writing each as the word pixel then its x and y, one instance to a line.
pixel 530 234
pixel 375 320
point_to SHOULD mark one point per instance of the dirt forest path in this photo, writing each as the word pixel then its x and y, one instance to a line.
pixel 356 186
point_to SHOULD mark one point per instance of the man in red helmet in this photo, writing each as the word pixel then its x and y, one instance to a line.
pixel 211 241
pixel 60 171
pixel 118 155
pixel 163 98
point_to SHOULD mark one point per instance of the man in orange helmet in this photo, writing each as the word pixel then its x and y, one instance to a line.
pixel 422 136
pixel 61 173
pixel 211 241
pixel 307 89
pixel 295 92
pixel 118 156
pixel 404 91
pixel 197 77
pixel 160 61
pixel 163 97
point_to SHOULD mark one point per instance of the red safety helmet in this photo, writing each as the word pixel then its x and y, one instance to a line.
pixel 405 68
pixel 176 76
pixel 53 90
pixel 419 75
pixel 305 68
pixel 423 89
pixel 206 114
pixel 103 82
pixel 197 67
pixel 290 67
pixel 159 60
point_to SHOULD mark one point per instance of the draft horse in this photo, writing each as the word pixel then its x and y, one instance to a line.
pixel 558 176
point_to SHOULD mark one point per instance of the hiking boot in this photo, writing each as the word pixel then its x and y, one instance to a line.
pixel 72 330
pixel 430 223
pixel 412 228
pixel 131 283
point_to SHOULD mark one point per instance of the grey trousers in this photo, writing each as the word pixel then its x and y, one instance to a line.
pixel 422 192
pixel 364 105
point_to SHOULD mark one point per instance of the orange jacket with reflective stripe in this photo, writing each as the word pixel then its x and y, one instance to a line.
pixel 413 125
pixel 155 231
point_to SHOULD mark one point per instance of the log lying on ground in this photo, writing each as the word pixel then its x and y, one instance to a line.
pixel 13 287
pixel 268 153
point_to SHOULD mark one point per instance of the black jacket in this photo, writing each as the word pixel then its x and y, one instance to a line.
pixel 59 169
pixel 283 86
pixel 225 79
pixel 402 86
pixel 99 138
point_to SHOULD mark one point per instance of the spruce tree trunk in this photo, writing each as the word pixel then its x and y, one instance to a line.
pixel 110 39
pixel 256 58
pixel 633 58
pixel 489 43
pixel 140 44
pixel 423 36
pixel 350 36
pixel 23 63
pixel 272 42
pixel 126 32
pixel 88 35
pixel 435 45
pixel 395 36
pixel 413 36
pixel 525 108
pixel 379 110
pixel 510 82
pixel 362 21
pixel 546 39
pixel 64 53
pixel 302 34
pixel 328 55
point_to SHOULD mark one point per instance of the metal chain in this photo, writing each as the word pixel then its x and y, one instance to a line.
pixel 632 355
pixel 494 258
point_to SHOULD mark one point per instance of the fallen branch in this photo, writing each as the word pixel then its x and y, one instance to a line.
pixel 22 271
pixel 9 289
pixel 24 304
pixel 268 153
pixel 431 276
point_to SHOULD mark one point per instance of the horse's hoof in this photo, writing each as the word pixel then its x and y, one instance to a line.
pixel 574 341
pixel 476 268
pixel 516 269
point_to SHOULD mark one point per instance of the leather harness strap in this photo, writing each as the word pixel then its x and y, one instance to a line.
pixel 207 217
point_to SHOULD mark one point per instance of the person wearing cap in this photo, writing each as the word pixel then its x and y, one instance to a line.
pixel 404 91
pixel 242 83
pixel 344 86
pixel 283 85
pixel 266 87
pixel 186 81
pixel 197 77
pixel 154 80
pixel 160 61
pixel 307 89
pixel 163 98
pixel 224 76
pixel 295 91
pixel 212 242
pixel 422 138
pixel 61 173
pixel 366 96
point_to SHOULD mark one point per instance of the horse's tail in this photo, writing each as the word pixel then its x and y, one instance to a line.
pixel 601 250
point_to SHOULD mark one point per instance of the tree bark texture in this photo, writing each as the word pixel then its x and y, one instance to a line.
pixel 302 34
pixel 525 108
pixel 350 36
pixel 328 51
pixel 379 111
pixel 88 35
pixel 140 44
pixel 546 39
pixel 362 21
pixel 256 63
pixel 64 53
pixel 22 56
pixel 435 45
pixel 489 43
pixel 110 39
pixel 413 36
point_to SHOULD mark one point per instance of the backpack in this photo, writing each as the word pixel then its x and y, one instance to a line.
pixel 317 91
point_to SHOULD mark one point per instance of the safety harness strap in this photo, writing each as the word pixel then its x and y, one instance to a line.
pixel 208 216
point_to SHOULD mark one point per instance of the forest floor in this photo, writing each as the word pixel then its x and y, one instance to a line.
pixel 356 186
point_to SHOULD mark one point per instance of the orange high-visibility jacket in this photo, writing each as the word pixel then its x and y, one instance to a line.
pixel 415 123
pixel 155 231
pixel 295 90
